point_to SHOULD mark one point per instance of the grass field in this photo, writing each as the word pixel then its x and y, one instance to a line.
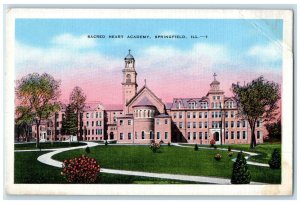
pixel 47 145
pixel 29 170
pixel 265 150
pixel 173 160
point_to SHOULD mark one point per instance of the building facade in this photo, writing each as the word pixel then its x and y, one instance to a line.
pixel 143 117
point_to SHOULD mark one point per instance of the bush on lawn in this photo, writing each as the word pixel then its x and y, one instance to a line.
pixel 218 157
pixel 196 147
pixel 106 143
pixel 169 144
pixel 212 143
pixel 229 148
pixel 230 154
pixel 87 150
pixel 275 161
pixel 154 147
pixel 81 170
pixel 240 172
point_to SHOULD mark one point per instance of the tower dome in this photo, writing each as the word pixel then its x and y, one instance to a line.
pixel 129 56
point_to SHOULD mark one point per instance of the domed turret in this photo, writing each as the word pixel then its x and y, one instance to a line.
pixel 129 56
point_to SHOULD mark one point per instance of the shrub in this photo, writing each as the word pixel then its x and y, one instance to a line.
pixel 212 143
pixel 87 150
pixel 240 172
pixel 218 157
pixel 154 147
pixel 106 143
pixel 169 144
pixel 229 148
pixel 81 170
pixel 196 147
pixel 215 147
pixel 161 142
pixel 275 161
pixel 230 154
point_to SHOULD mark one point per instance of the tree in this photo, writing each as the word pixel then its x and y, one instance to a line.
pixel 69 122
pixel 38 94
pixel 274 130
pixel 23 122
pixel 240 172
pixel 77 99
pixel 275 161
pixel 256 100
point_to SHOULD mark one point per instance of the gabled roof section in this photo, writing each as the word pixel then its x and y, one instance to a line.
pixel 113 107
pixel 144 102
pixel 144 88
pixel 91 106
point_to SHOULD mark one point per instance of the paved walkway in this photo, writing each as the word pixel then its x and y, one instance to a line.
pixel 47 159
pixel 233 150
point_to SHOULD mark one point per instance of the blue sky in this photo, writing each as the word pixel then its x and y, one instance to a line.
pixel 234 48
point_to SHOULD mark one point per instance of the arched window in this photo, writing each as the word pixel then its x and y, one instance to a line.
pixel 143 135
pixel 144 115
pixel 128 78
pixel 148 113
pixel 140 112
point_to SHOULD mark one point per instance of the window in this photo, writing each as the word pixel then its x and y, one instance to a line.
pixel 121 136
pixel 194 125
pixel 100 131
pixel 180 124
pixel 232 114
pixel 157 121
pixel 166 121
pixel 151 135
pixel 194 135
pixel 203 105
pixel 232 124
pixel 89 132
pixel 226 124
pixel 206 135
pixel 174 115
pixel 158 135
pixel 192 105
pixel 205 125
pixel 232 135
pixel 166 135
pixel 143 135
pixel 189 125
pixel 180 115
pixel 129 135
pixel 194 114
pixel 189 135
pixel 226 114
pixel 212 114
pixel 258 134
pixel 93 131
pixel 238 134
pixel 244 123
pixel 205 114
pixel 238 124
pixel 214 97
pixel 258 123
pixel 220 114
pixel 92 123
pixel 100 115
pixel 226 135
pixel 244 134
pixel 178 105
pixel 121 122
pixel 87 123
pixel 92 115
pixel 129 122
pixel 188 115
pixel 200 135
pixel 200 124
pixel 200 115
pixel 87 115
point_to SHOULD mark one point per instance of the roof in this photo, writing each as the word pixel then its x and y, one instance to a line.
pixel 162 116
pixel 215 82
pixel 144 102
pixel 168 106
pixel 184 102
pixel 112 107
pixel 129 56
pixel 90 106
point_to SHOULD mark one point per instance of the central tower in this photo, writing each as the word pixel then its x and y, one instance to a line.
pixel 129 80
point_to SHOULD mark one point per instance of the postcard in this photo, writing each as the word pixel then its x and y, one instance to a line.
pixel 149 102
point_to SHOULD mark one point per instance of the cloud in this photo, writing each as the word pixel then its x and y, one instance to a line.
pixel 271 52
pixel 74 42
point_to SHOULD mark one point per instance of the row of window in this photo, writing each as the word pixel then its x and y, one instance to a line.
pixel 93 132
pixel 192 105
pixel 214 124
pixel 94 123
pixel 144 113
pixel 143 135
pixel 203 114
pixel 94 115
pixel 233 135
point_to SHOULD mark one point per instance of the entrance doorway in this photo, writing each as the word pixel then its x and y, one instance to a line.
pixel 216 136
pixel 111 135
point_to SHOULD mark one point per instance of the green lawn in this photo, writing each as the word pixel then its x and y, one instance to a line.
pixel 173 160
pixel 47 145
pixel 265 150
pixel 29 170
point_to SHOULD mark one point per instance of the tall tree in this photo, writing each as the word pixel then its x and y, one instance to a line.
pixel 23 121
pixel 77 99
pixel 70 121
pixel 256 100
pixel 38 94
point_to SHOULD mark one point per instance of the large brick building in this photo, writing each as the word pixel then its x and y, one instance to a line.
pixel 144 117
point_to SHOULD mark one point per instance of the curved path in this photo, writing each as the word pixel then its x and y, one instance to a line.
pixel 47 159
pixel 233 150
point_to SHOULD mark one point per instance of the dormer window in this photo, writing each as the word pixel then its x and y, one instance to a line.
pixel 192 105
pixel 178 105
